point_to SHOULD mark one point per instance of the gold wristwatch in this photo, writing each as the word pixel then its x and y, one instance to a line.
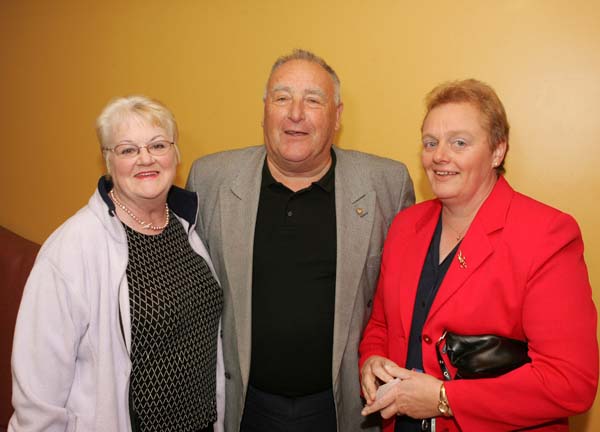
pixel 443 406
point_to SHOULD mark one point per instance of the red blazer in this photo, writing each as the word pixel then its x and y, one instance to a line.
pixel 525 278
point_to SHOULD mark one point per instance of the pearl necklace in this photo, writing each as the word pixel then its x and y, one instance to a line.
pixel 145 225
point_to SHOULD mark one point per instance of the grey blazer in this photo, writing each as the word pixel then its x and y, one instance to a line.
pixel 369 191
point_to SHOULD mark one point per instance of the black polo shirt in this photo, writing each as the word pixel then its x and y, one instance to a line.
pixel 293 287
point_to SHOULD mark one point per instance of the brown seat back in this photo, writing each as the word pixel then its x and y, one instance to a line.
pixel 17 255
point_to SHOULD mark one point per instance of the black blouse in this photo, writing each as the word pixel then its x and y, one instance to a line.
pixel 175 305
pixel 432 276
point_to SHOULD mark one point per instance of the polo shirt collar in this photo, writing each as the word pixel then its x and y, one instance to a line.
pixel 326 182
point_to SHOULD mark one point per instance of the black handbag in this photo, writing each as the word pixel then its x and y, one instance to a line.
pixel 481 356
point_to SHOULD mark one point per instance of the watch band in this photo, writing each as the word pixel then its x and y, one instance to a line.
pixel 443 406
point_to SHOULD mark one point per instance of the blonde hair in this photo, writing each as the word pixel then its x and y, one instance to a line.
pixel 120 109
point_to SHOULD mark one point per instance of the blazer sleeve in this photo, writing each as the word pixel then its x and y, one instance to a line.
pixel 559 321
pixel 375 335
pixel 196 182
pixel 407 194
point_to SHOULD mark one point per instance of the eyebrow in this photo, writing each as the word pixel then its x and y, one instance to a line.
pixel 451 133
pixel 310 91
pixel 278 88
pixel 315 91
pixel 128 141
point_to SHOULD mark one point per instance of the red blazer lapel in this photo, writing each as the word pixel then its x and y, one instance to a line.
pixel 472 253
pixel 476 246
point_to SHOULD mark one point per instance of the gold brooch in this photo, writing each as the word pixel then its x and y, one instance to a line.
pixel 462 260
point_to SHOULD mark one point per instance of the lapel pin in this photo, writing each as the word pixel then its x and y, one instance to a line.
pixel 462 260
pixel 360 211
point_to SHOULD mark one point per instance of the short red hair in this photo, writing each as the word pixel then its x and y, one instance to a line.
pixel 481 96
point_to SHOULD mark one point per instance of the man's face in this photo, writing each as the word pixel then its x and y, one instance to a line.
pixel 300 117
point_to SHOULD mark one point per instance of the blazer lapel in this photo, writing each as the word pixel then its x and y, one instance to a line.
pixel 475 247
pixel 473 251
pixel 238 208
pixel 355 209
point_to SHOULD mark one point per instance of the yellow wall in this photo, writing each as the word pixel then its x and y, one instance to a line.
pixel 60 62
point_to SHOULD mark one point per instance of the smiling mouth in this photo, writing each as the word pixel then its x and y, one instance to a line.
pixel 146 174
pixel 445 173
pixel 295 133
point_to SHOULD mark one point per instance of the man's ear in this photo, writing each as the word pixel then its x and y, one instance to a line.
pixel 338 115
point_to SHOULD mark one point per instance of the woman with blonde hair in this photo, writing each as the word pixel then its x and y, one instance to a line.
pixel 118 325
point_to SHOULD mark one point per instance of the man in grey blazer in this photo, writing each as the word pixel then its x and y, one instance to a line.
pixel 295 229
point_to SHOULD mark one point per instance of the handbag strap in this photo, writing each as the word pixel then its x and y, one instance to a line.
pixel 440 359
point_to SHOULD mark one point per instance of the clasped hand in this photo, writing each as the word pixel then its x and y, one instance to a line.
pixel 416 395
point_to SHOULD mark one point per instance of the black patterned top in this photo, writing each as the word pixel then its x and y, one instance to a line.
pixel 175 305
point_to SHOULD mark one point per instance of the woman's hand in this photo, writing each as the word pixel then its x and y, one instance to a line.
pixel 416 395
pixel 373 373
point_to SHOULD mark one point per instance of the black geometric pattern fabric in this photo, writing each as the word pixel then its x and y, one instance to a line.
pixel 175 305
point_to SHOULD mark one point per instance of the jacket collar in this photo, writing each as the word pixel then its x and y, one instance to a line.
pixel 490 217
pixel 184 203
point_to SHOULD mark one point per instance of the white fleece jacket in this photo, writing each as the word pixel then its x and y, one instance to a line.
pixel 70 359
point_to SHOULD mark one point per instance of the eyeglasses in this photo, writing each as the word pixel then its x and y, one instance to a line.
pixel 128 151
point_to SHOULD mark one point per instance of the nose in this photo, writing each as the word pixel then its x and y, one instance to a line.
pixel 440 154
pixel 296 112
pixel 144 157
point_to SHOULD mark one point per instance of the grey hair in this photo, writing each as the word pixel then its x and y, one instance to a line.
pixel 120 109
pixel 300 54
